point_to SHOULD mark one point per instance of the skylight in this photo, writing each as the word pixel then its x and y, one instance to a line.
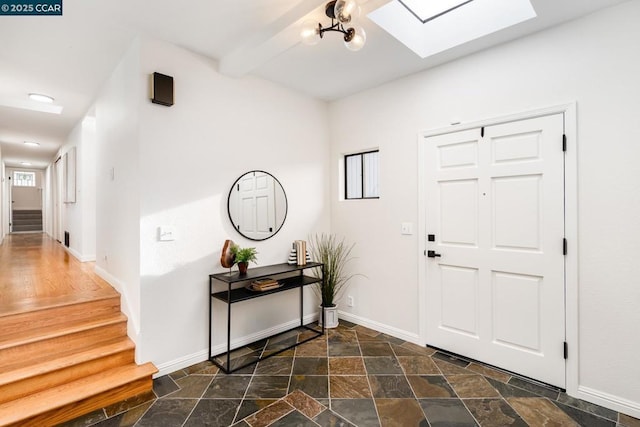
pixel 444 24
pixel 428 10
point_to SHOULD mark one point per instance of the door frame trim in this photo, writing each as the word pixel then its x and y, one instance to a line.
pixel 569 112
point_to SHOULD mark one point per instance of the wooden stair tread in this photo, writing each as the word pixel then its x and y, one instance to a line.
pixel 54 331
pixel 57 314
pixel 27 305
pixel 46 363
pixel 66 394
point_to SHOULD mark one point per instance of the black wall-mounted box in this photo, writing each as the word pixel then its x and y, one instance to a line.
pixel 162 89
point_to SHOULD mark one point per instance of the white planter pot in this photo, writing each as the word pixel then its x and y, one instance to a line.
pixel 330 317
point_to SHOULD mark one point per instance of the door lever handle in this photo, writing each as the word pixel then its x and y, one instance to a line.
pixel 433 254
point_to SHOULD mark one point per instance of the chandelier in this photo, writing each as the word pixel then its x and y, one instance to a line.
pixel 343 14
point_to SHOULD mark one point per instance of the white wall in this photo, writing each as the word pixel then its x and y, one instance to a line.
pixel 181 162
pixel 190 156
pixel 79 217
pixel 592 61
pixel 118 184
pixel 86 176
pixel 47 203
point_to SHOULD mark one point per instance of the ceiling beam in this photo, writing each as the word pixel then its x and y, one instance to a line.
pixel 268 42
pixel 279 36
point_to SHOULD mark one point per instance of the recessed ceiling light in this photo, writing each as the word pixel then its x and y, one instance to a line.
pixel 41 98
pixel 32 143
pixel 25 163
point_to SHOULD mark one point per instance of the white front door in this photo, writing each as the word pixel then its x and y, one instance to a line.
pixel 495 282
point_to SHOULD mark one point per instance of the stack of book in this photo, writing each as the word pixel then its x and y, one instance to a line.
pixel 301 252
pixel 299 247
pixel 264 284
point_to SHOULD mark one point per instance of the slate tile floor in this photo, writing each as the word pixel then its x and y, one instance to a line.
pixel 353 376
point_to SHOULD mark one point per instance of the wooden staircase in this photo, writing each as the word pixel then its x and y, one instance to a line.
pixel 26 220
pixel 61 361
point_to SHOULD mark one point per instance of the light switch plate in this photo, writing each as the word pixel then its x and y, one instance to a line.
pixel 166 233
pixel 406 228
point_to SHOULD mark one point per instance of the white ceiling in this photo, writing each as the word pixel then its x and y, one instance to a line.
pixel 69 57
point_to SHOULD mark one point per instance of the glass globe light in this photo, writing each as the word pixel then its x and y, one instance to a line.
pixel 356 41
pixel 310 32
pixel 346 11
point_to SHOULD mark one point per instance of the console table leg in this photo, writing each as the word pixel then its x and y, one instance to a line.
pixel 301 306
pixel 229 332
pixel 210 313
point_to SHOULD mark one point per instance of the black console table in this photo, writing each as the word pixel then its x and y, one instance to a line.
pixel 280 272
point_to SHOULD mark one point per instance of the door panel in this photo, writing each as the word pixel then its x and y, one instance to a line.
pixel 516 296
pixel 459 212
pixel 516 148
pixel 516 212
pixel 496 206
pixel 459 289
pixel 256 205
pixel 463 154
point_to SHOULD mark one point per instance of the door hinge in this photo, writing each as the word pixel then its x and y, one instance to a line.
pixel 482 132
pixel 565 350
pixel 564 246
pixel 564 142
pixel 425 252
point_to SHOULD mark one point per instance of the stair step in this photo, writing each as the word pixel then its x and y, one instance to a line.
pixel 54 331
pixel 17 382
pixel 70 400
pixel 45 316
pixel 26 228
pixel 26 221
pixel 56 339
pixel 36 303
pixel 23 224
pixel 26 211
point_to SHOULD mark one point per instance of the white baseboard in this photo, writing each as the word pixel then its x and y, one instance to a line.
pixel 201 356
pixel 381 327
pixel 181 363
pixel 133 323
pixel 615 403
pixel 80 257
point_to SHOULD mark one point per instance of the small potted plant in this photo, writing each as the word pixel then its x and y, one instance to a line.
pixel 243 256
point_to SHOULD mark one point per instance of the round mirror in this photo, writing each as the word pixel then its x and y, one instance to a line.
pixel 257 205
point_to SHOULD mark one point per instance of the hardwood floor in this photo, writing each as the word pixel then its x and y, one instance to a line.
pixel 64 349
pixel 36 271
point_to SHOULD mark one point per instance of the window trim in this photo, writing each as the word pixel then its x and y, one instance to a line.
pixel 346 175
pixel 14 180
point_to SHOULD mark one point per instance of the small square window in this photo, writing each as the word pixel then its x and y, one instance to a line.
pixel 24 179
pixel 362 175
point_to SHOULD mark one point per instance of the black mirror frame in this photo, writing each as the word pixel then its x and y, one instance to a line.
pixel 284 193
